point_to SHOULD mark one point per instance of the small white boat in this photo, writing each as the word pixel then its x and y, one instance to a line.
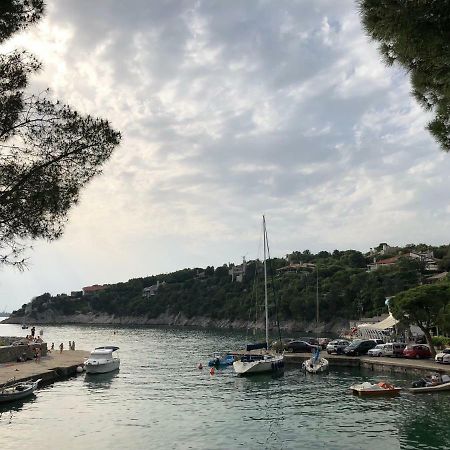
pixel 17 391
pixel 315 364
pixel 435 388
pixel 102 360
pixel 373 390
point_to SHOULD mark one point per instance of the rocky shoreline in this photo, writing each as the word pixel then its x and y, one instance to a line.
pixel 52 317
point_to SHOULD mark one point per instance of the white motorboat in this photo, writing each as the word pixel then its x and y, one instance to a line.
pixel 102 360
pixel 252 363
pixel 315 364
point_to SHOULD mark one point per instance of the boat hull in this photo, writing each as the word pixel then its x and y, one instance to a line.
pixel 11 394
pixel 271 364
pixel 105 367
pixel 315 367
pixel 381 389
pixel 426 389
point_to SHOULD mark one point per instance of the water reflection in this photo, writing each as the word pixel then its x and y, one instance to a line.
pixel 96 381
pixel 9 410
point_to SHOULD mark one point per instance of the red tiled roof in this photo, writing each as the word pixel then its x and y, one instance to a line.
pixel 388 260
pixel 95 288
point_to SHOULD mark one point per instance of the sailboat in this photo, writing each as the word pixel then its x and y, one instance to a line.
pixel 265 362
pixel 316 364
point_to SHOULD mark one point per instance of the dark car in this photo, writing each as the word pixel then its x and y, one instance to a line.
pixel 300 347
pixel 417 351
pixel 359 347
pixel 309 340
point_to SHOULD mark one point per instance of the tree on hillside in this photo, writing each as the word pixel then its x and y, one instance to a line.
pixel 424 306
pixel 48 151
pixel 416 34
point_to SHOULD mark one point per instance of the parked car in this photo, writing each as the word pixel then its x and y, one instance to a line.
pixel 309 339
pixel 359 347
pixel 394 349
pixel 337 346
pixel 417 351
pixel 378 350
pixel 443 357
pixel 300 347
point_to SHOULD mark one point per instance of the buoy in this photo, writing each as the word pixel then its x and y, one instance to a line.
pixel 212 371
pixel 200 366
pixel 79 369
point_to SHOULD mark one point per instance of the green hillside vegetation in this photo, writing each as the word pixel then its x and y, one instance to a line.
pixel 346 289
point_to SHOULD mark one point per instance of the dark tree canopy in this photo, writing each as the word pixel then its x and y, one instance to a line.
pixel 416 34
pixel 48 151
pixel 425 306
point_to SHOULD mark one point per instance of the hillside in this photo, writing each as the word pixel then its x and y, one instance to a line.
pixel 225 295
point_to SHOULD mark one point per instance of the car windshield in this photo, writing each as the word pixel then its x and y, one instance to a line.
pixel 447 351
pixel 355 343
pixel 380 346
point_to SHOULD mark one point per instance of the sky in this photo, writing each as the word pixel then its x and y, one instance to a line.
pixel 230 110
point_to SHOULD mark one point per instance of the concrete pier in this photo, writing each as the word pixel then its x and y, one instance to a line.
pixel 399 365
pixel 52 367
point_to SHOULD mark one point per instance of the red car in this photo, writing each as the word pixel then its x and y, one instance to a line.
pixel 417 351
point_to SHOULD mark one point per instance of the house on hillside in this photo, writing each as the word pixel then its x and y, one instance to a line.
pixel 382 263
pixel 427 258
pixel 298 267
pixel 89 290
pixel 430 262
pixel 150 291
pixel 238 272
pixel 383 249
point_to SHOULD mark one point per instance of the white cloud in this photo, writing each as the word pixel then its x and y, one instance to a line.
pixel 229 110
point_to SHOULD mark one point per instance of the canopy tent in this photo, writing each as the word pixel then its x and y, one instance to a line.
pixel 379 330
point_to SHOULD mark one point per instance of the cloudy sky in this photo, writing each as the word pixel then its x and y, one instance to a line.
pixel 230 109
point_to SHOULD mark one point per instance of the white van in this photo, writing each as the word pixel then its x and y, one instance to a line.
pixel 394 349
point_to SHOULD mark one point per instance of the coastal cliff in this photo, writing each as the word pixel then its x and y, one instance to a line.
pixel 51 317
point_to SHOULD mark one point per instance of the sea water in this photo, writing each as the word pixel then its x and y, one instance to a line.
pixel 160 399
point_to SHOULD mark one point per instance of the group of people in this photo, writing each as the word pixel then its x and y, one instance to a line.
pixel 61 346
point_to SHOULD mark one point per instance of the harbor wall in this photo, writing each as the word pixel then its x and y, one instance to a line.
pixel 12 352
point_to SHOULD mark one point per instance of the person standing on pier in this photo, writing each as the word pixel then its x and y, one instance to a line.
pixel 33 330
pixel 61 347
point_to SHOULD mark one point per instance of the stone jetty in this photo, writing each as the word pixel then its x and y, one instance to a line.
pixel 52 367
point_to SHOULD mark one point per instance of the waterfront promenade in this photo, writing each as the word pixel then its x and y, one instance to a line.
pixel 52 367
pixel 399 365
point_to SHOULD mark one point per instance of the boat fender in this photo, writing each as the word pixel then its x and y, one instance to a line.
pixel 212 371
pixel 200 366
pixel 79 369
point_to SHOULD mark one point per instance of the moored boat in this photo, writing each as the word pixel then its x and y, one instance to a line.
pixel 221 359
pixel 102 360
pixel 433 383
pixel 17 391
pixel 315 364
pixel 263 362
pixel 373 390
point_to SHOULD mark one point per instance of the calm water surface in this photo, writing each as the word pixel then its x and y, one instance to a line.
pixel 159 399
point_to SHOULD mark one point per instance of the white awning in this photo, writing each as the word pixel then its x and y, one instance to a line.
pixel 389 322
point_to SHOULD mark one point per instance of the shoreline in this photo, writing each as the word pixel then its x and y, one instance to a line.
pixel 55 366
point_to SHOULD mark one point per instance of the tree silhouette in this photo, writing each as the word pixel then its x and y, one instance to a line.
pixel 48 151
pixel 416 34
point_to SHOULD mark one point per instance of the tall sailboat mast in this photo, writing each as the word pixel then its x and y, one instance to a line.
pixel 265 282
